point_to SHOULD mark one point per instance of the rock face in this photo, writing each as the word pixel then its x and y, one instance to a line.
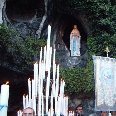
pixel 26 17
pixel 1 11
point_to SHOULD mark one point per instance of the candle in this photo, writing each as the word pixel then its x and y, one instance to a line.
pixel 66 105
pixel 48 48
pixel 34 104
pixel 27 101
pixel 19 113
pixel 36 76
pixel 24 102
pixel 47 90
pixel 4 94
pixel 29 89
pixel 51 103
pixel 4 99
pixel 44 54
pixel 50 56
pixel 42 104
pixel 49 33
pixel 37 89
pixel 33 88
pixel 40 55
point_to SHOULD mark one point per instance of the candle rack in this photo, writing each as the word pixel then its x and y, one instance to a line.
pixel 46 90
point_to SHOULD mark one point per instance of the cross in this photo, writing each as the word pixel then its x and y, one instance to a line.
pixel 107 50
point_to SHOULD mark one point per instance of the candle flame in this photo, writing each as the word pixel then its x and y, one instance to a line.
pixel 7 82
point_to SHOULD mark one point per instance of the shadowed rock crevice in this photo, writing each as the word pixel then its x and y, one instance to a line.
pixel 24 10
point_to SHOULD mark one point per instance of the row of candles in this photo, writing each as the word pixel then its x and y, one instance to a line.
pixel 46 92
pixel 4 97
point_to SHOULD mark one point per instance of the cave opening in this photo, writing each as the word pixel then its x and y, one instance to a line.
pixel 68 23
pixel 24 9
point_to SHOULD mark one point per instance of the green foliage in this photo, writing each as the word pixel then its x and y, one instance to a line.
pixel 16 51
pixel 102 15
pixel 78 80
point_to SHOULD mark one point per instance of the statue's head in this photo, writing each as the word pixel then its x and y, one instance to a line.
pixel 75 26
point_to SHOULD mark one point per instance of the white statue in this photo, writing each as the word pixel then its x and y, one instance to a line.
pixel 1 10
pixel 75 42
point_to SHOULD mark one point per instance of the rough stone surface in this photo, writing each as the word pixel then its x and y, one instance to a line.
pixel 62 22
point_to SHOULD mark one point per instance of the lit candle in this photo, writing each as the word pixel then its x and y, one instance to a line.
pixel 4 99
pixel 4 94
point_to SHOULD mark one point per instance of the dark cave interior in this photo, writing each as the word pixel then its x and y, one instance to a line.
pixel 24 9
pixel 68 22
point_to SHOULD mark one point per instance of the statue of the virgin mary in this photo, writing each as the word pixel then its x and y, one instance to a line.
pixel 75 42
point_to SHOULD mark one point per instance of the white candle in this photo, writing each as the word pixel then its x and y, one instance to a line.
pixel 49 113
pixel 40 55
pixel 44 54
pixel 48 84
pixel 54 56
pixel 4 94
pixel 50 56
pixel 33 88
pixel 56 104
pixel 19 113
pixel 59 106
pixel 51 103
pixel 36 76
pixel 66 105
pixel 42 104
pixel 57 81
pixel 48 48
pixel 54 79
pixel 46 104
pixel 24 102
pixel 54 72
pixel 49 33
pixel 27 101
pixel 34 103
pixel 4 99
pixel 47 90
pixel 39 102
pixel 29 89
